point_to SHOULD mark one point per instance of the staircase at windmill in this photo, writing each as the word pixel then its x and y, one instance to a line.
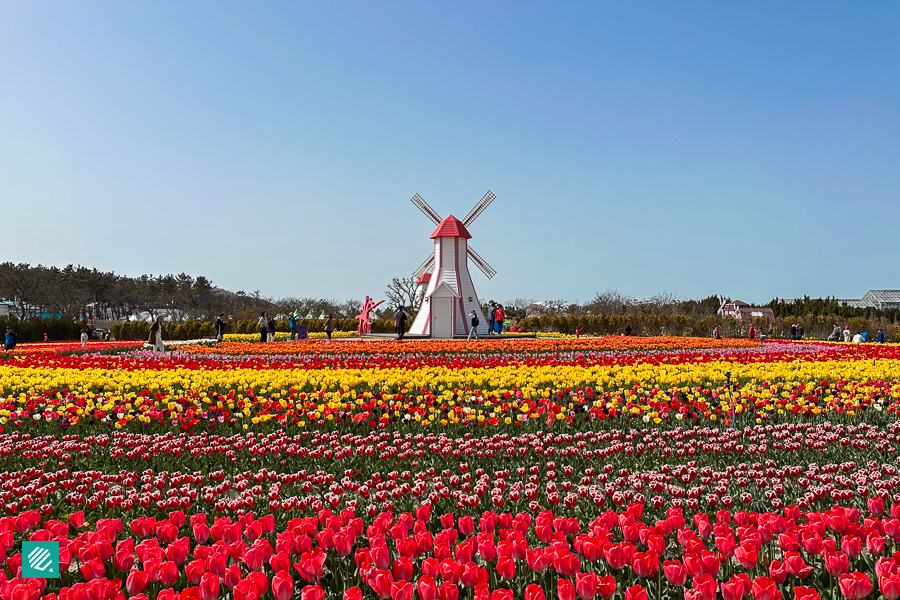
pixel 450 295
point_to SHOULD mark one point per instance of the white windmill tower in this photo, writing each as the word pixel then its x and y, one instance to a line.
pixel 450 294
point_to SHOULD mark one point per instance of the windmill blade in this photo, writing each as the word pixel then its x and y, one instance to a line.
pixel 479 208
pixel 482 264
pixel 426 208
pixel 429 262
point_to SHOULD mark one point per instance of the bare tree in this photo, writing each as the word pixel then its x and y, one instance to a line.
pixel 402 292
pixel 609 302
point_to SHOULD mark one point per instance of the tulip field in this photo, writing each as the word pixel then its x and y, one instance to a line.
pixel 547 469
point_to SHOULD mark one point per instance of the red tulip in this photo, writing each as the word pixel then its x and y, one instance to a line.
pixel 537 560
pixel 209 586
pixel 232 576
pixel 466 525
pixel 402 590
pixel 732 589
pixel 381 582
pixel 137 582
pixel 426 588
pixel 92 569
pixel 747 555
pixel 195 570
pixel 812 544
pixel 353 593
pixel 618 555
pixel 473 575
pixel 448 591
pixel 168 573
pixel 706 586
pixel 764 588
pixel 796 566
pixel 586 585
pixel 565 590
pixel 311 565
pixel 506 567
pixel 123 561
pixel 566 564
pixel 534 592
pixel 645 564
pixel 876 506
pixel 777 571
pixel 283 585
pixel 851 545
pixel 890 586
pixel 837 563
pixel 805 593
pixel 854 585
pixel 502 594
pixel 403 569
pixel 245 590
pixel 675 572
pixel 310 592
pixel 636 592
pixel 606 586
pixel 875 543
pixel 76 520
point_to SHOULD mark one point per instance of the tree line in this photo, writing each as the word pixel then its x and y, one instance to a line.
pixel 76 292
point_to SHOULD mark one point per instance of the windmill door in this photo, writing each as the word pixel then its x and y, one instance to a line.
pixel 442 317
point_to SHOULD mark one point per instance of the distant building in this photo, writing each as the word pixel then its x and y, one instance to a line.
pixel 745 313
pixel 878 299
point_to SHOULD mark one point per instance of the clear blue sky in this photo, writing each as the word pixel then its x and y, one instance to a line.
pixel 751 150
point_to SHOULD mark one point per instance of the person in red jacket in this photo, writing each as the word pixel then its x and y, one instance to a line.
pixel 499 315
pixel 752 331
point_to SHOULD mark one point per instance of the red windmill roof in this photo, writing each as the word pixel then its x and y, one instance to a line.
pixel 451 227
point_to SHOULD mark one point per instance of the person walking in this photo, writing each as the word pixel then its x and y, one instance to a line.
pixel 473 325
pixel 400 323
pixel 156 335
pixel 499 316
pixel 880 336
pixel 293 323
pixel 263 327
pixel 329 326
pixel 800 332
pixel 751 333
pixel 793 331
pixel 220 327
pixel 492 311
pixel 270 327
pixel 847 334
pixel 84 338
pixel 10 340
pixel 47 336
pixel 717 335
pixel 835 334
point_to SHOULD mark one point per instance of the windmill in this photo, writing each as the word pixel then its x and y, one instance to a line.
pixel 450 294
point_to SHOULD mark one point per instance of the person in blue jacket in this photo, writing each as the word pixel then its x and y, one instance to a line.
pixel 10 341
pixel 880 336
pixel 293 321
